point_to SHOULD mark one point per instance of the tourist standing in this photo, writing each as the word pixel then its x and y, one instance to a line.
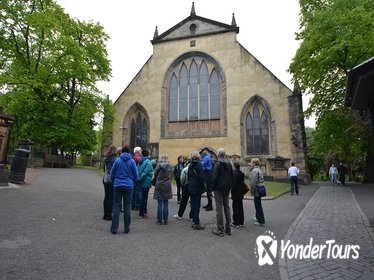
pixel 124 175
pixel 144 182
pixel 195 188
pixel 185 193
pixel 110 156
pixel 256 178
pixel 292 174
pixel 333 173
pixel 137 194
pixel 342 171
pixel 163 191
pixel 237 196
pixel 222 185
pixel 207 169
pixel 177 175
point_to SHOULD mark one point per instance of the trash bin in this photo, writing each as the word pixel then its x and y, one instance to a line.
pixel 18 167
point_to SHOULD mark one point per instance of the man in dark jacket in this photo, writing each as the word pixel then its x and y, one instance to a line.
pixel 195 188
pixel 124 175
pixel 342 171
pixel 222 185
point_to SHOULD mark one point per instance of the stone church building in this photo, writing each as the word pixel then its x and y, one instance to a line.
pixel 202 88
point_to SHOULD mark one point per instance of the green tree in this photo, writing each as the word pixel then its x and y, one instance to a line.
pixel 50 65
pixel 335 36
pixel 342 135
pixel 315 157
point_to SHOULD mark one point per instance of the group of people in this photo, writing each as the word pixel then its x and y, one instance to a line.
pixel 336 173
pixel 127 180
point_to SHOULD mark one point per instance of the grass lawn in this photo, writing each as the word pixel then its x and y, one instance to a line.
pixel 273 188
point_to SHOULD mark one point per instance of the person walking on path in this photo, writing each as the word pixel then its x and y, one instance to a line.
pixel 185 193
pixel 342 171
pixel 292 173
pixel 237 196
pixel 110 156
pixel 177 175
pixel 195 188
pixel 124 175
pixel 333 173
pixel 207 169
pixel 222 185
pixel 137 193
pixel 256 178
pixel 144 182
pixel 163 191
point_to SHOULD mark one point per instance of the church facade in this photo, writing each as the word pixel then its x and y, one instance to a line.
pixel 202 88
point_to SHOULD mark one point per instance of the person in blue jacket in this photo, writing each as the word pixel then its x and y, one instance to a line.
pixel 124 175
pixel 145 169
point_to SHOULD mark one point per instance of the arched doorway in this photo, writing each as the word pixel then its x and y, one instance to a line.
pixel 136 127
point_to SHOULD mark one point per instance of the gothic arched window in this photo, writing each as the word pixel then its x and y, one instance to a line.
pixel 138 135
pixel 197 95
pixel 257 131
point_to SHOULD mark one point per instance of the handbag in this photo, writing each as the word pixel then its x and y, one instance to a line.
pixel 107 179
pixel 245 188
pixel 261 190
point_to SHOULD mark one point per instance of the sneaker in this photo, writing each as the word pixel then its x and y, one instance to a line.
pixel 127 231
pixel 191 220
pixel 234 226
pixel 177 217
pixel 228 231
pixel 241 225
pixel 159 223
pixel 258 224
pixel 255 219
pixel 141 217
pixel 218 232
pixel 209 208
pixel 198 227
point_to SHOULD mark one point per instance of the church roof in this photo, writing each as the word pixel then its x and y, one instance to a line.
pixel 195 26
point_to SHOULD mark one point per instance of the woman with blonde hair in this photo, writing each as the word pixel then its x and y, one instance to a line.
pixel 256 177
pixel 110 156
pixel 163 191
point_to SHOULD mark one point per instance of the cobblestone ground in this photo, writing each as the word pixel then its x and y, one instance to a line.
pixel 332 214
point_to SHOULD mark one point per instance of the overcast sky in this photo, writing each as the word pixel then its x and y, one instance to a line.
pixel 267 31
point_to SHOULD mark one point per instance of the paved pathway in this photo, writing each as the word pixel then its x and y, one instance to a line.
pixel 331 214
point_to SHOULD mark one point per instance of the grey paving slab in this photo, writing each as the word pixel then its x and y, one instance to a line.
pixel 332 214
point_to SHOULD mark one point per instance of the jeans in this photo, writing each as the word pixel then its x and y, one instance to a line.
pixel 333 178
pixel 195 208
pixel 294 186
pixel 162 210
pixel 136 197
pixel 108 201
pixel 238 212
pixel 259 212
pixel 143 202
pixel 126 194
pixel 184 201
pixel 222 206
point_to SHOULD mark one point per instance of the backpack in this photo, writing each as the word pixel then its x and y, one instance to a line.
pixel 107 179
